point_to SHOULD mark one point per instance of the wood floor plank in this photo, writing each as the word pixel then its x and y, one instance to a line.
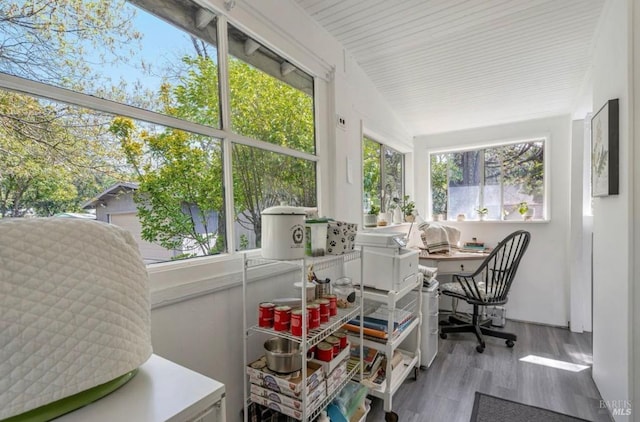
pixel 445 392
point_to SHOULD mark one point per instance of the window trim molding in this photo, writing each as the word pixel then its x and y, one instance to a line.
pixel 545 137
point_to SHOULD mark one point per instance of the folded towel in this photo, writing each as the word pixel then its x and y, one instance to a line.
pixel 428 272
pixel 439 238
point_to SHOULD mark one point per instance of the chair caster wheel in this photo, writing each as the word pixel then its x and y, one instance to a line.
pixel 443 336
pixel 510 343
pixel 479 349
pixel 391 417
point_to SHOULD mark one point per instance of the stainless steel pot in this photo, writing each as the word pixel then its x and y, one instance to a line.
pixel 283 355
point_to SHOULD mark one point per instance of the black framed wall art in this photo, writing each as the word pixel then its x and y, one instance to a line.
pixel 605 134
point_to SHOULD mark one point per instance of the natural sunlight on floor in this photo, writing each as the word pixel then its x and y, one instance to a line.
pixel 559 364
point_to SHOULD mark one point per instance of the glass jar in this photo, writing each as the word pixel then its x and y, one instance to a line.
pixel 344 291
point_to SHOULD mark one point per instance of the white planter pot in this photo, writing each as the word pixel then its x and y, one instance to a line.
pixel 370 220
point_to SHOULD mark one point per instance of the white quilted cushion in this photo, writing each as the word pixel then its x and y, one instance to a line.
pixel 74 309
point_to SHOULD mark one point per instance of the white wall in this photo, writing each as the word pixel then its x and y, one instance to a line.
pixel 204 333
pixel 612 224
pixel 580 230
pixel 540 292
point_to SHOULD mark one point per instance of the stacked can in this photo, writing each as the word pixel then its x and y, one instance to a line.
pixel 266 314
pixel 298 316
pixel 333 304
pixel 324 351
pixel 314 315
pixel 342 336
pixel 335 343
pixel 324 310
pixel 282 318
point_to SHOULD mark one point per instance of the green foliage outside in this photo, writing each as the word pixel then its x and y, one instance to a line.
pixel 516 165
pixel 47 165
pixel 54 157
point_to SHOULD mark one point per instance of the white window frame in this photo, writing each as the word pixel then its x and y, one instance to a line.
pixel 546 140
pixel 195 274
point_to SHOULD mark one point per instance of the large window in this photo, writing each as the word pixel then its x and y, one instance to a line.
pixel 383 175
pixel 110 110
pixel 503 182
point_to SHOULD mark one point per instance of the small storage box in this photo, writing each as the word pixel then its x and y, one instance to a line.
pixel 389 268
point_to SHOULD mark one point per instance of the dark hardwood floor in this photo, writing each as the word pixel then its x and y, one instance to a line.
pixel 445 391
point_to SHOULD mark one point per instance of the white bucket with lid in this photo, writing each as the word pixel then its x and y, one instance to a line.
pixel 283 232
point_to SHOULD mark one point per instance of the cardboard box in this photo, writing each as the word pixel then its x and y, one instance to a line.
pixel 328 367
pixel 337 376
pixel 260 375
pixel 286 410
pixel 272 396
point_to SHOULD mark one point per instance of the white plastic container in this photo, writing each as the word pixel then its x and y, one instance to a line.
pixel 283 232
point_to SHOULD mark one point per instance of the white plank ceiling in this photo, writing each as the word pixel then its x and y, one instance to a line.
pixel 447 65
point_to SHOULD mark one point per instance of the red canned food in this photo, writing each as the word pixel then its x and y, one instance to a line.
pixel 335 343
pixel 282 318
pixel 265 314
pixel 342 337
pixel 324 310
pixel 324 351
pixel 333 304
pixel 314 315
pixel 296 321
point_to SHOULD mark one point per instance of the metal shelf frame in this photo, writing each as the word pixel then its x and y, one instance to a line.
pixel 396 376
pixel 309 338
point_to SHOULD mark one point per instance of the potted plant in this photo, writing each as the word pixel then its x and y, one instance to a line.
pixel 482 212
pixel 407 208
pixel 371 218
pixel 525 211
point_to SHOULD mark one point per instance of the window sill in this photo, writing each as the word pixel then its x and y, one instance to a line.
pixel 493 221
pixel 177 281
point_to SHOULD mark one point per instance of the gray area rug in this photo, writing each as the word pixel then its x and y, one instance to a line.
pixel 488 408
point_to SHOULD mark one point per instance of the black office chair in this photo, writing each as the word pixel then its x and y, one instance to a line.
pixel 488 286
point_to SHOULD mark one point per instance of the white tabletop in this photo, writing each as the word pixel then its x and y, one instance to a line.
pixel 160 391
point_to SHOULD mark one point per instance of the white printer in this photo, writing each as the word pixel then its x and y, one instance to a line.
pixel 387 263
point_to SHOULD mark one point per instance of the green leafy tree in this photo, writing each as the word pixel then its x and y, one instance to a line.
pixel 47 41
pixel 53 156
pixel 178 171
pixel 371 172
pixel 45 159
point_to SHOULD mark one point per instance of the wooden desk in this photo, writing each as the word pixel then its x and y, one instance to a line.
pixel 454 263
pixel 447 265
pixel 160 391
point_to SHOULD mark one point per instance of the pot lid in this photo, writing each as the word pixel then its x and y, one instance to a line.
pixel 283 210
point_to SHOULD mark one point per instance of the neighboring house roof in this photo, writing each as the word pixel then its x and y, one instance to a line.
pixel 110 192
pixel 76 215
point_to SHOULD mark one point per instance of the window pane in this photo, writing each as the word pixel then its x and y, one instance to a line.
pixel 162 184
pixel 117 51
pixel 271 100
pixel 262 179
pixel 500 179
pixel 393 175
pixel 371 173
pixel 464 184
pixel 492 191
pixel 179 197
pixel 439 184
pixel 523 177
